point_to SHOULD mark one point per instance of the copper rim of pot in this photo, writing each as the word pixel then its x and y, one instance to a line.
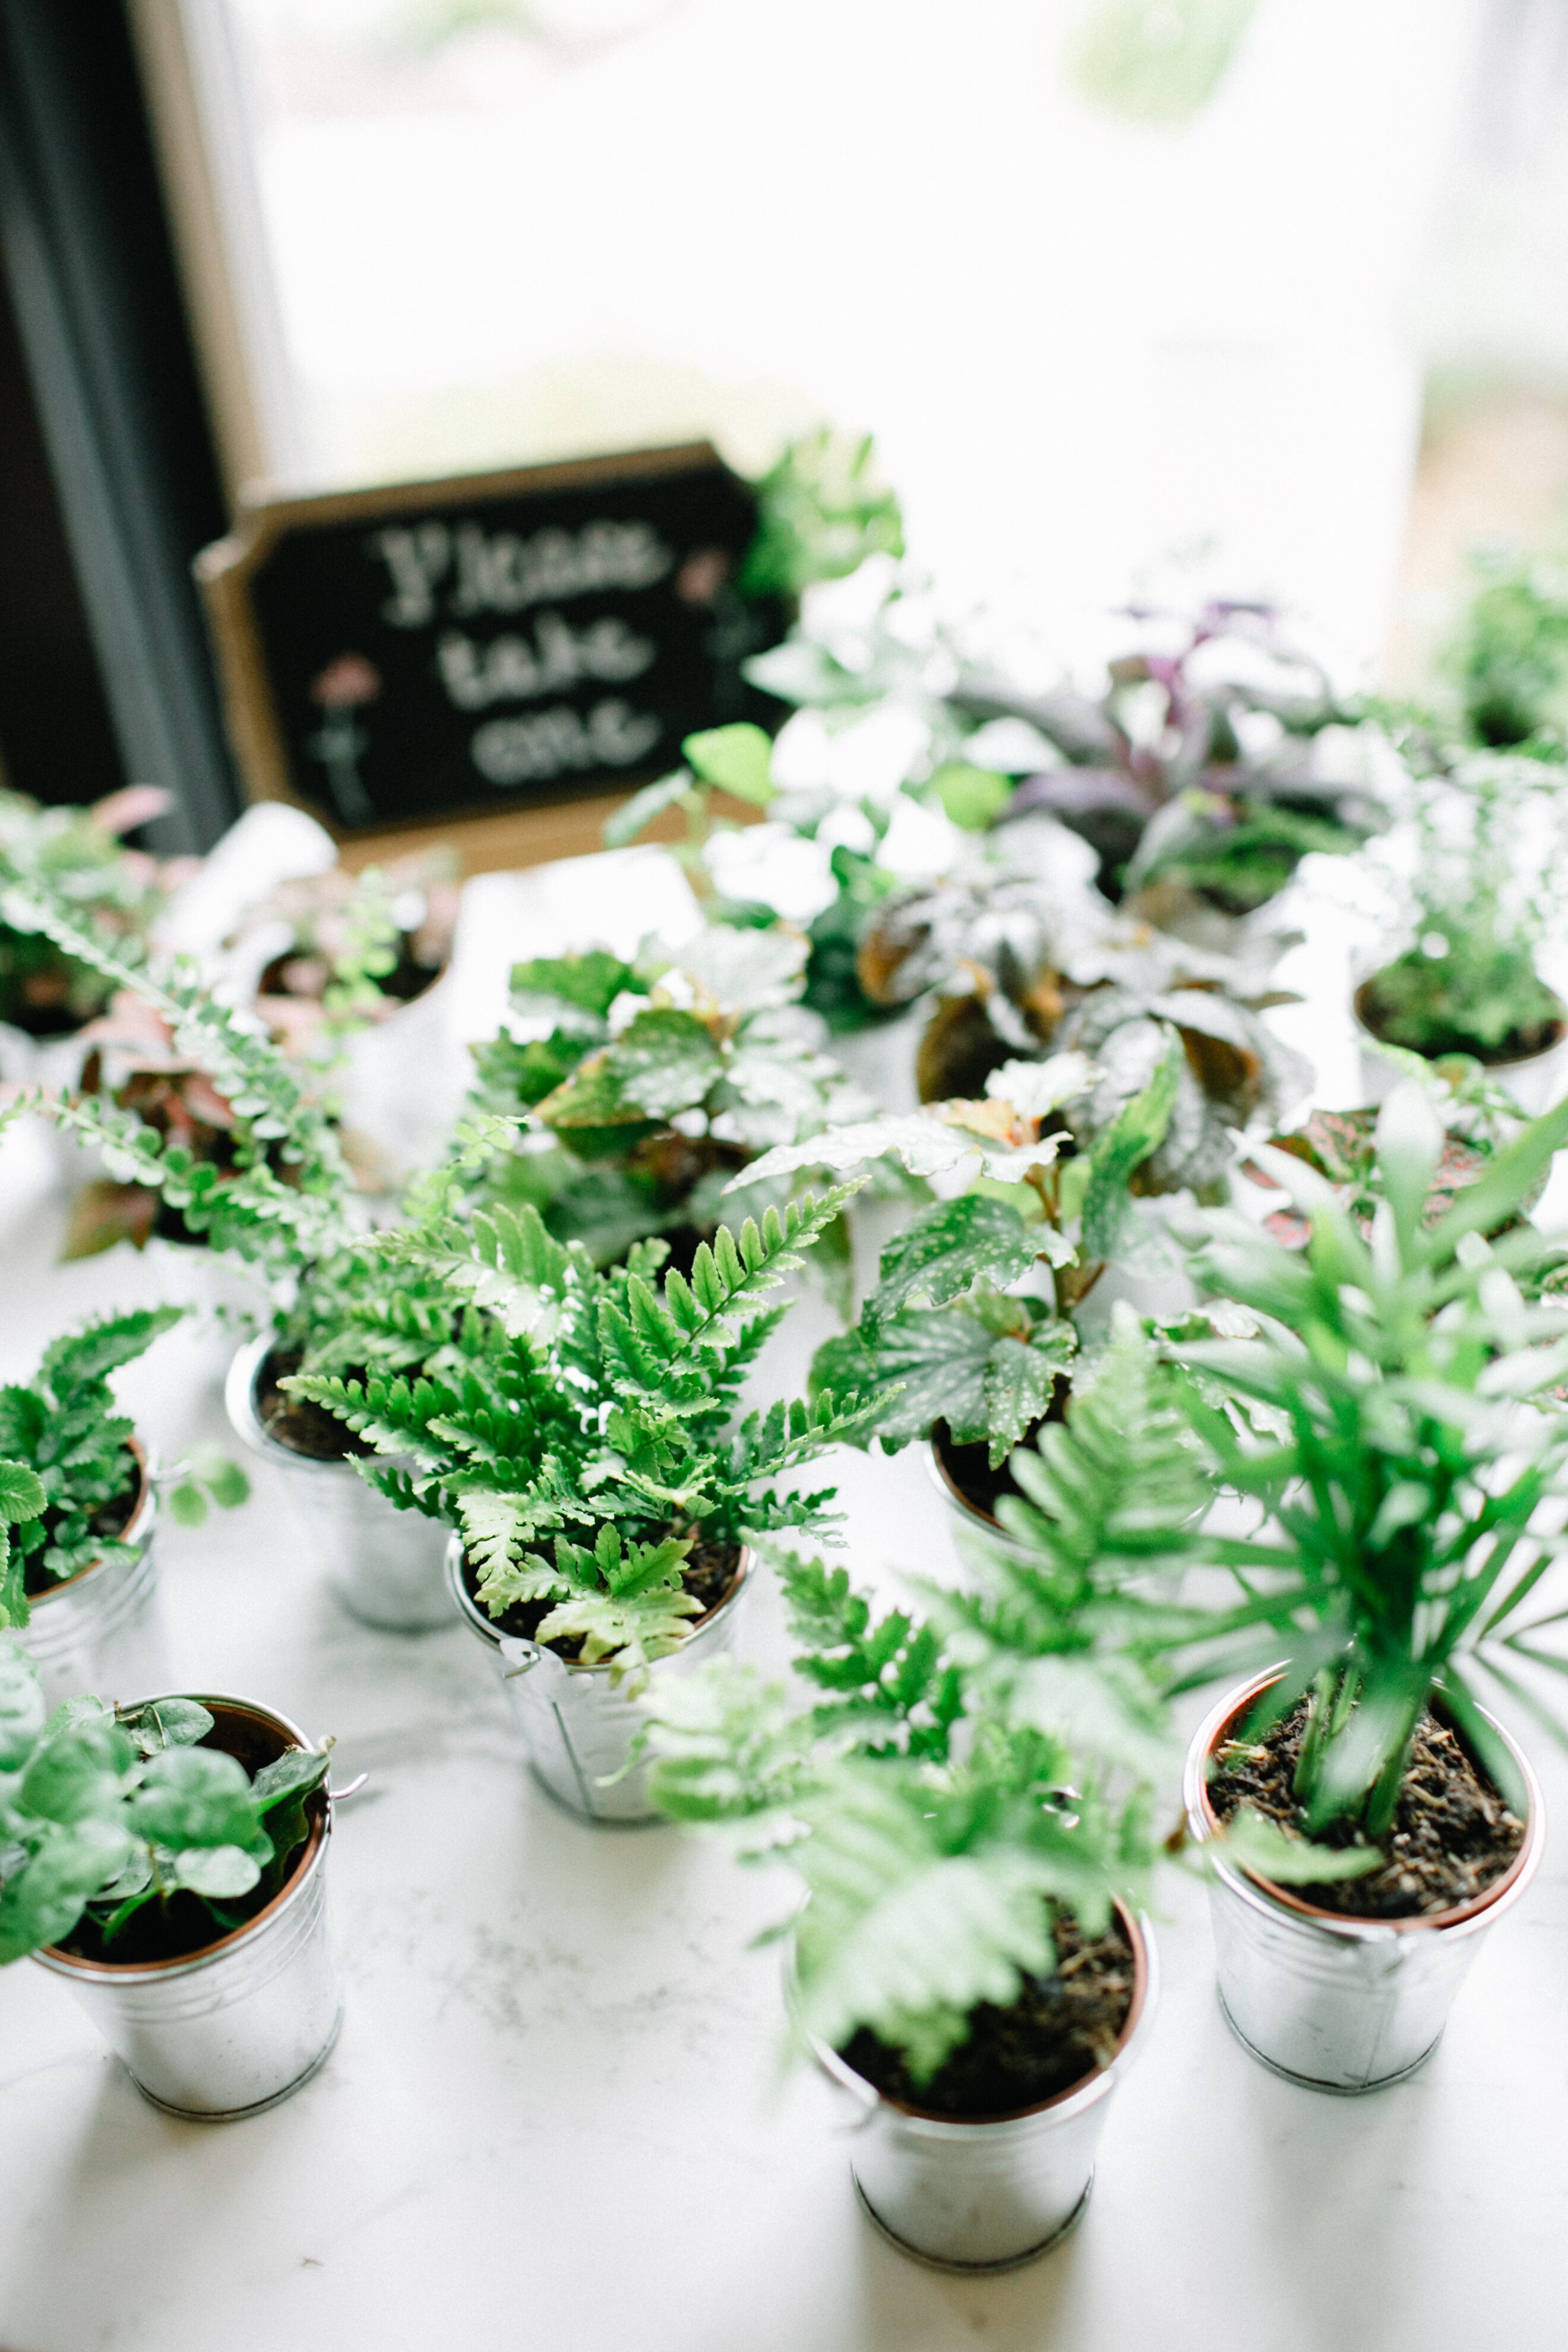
pixel 1218 1729
pixel 1087 2085
pixel 137 1528
pixel 1502 1062
pixel 311 1856
pixel 475 1614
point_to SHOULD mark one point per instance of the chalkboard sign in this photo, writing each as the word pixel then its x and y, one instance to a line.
pixel 487 642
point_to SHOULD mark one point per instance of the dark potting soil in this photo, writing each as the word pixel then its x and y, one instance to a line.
pixel 1060 2028
pixel 711 1569
pixel 969 1466
pixel 109 1520
pixel 1452 1837
pixel 295 1422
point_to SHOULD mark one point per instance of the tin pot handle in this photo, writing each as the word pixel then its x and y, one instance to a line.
pixel 856 2105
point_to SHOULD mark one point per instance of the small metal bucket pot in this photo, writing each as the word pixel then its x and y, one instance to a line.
pixel 382 1564
pixel 971 1520
pixel 235 2028
pixel 993 2193
pixel 1536 1081
pixel 103 1630
pixel 1332 2002
pixel 577 1726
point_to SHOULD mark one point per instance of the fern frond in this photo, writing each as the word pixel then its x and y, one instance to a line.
pixel 86 1357
pixel 900 1935
pixel 724 1748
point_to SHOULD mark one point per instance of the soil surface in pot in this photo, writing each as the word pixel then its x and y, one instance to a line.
pixel 1453 1836
pixel 711 1571
pixel 1519 1045
pixel 1060 2029
pixel 183 1923
pixel 295 1422
pixel 109 1520
pixel 969 1466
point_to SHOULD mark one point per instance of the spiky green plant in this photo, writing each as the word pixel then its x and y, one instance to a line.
pixel 1411 1465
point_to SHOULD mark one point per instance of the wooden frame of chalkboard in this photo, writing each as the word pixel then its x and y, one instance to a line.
pixel 400 655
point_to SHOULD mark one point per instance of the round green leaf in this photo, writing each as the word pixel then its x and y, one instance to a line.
pixel 43 1901
pixel 217 1871
pixel 194 1796
pixel 80 1772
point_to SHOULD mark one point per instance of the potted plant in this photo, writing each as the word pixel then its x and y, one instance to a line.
pixel 167 1862
pixel 1480 902
pixel 232 1151
pixel 1411 1439
pixel 1016 953
pixel 359 1315
pixel 647 1086
pixel 1508 660
pixel 969 1335
pixel 78 1580
pixel 1217 756
pixel 1478 1119
pixel 46 993
pixel 281 1202
pixel 586 1446
pixel 968 1967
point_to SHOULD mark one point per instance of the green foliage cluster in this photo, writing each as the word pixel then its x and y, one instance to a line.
pixel 283 1203
pixel 69 1479
pixel 947 1335
pixel 652 1083
pixel 109 1815
pixel 75 855
pixel 575 1400
pixel 1463 989
pixel 1489 838
pixel 824 509
pixel 930 1879
pixel 1510 659
pixel 1410 1435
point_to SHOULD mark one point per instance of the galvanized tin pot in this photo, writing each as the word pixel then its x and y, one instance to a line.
pixel 992 2194
pixel 578 1728
pixel 384 1565
pixel 1536 1081
pixel 232 2029
pixel 1337 2003
pixel 103 1630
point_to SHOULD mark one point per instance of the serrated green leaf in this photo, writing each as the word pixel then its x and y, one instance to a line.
pixel 945 1249
pixel 22 1493
pixel 41 1902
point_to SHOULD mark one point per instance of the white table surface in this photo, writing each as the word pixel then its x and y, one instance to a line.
pixel 556 2120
